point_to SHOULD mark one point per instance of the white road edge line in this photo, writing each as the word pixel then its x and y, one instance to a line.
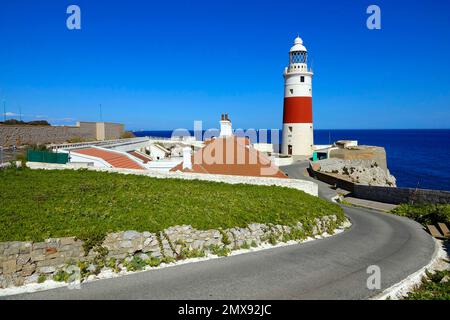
pixel 402 288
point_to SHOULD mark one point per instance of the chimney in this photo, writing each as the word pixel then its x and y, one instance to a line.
pixel 187 161
pixel 225 126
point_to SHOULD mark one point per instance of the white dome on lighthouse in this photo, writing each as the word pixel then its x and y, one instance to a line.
pixel 298 45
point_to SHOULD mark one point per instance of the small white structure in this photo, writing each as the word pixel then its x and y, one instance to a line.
pixel 264 147
pixel 225 126
pixel 90 161
pixel 346 143
pixel 187 161
pixel 163 165
pixel 158 152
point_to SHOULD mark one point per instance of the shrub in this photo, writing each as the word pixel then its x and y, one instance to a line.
pixel 42 278
pixel 127 135
pixel 432 287
pixel 153 261
pixel 135 264
pixel 245 245
pixel 424 213
pixel 220 251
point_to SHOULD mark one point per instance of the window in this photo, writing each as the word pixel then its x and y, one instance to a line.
pixel 302 79
pixel 290 129
pixel 292 91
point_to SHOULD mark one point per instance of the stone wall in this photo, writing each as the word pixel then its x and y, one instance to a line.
pixel 18 135
pixel 302 185
pixel 400 195
pixel 27 134
pixel 25 262
pixel 384 194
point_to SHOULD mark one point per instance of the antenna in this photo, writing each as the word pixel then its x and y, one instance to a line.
pixel 101 115
pixel 20 113
pixel 4 110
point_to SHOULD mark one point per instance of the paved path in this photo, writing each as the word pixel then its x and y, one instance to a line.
pixel 333 268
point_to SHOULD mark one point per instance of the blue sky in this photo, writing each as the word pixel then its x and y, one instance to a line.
pixel 163 64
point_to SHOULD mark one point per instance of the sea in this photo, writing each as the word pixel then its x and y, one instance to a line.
pixel 417 158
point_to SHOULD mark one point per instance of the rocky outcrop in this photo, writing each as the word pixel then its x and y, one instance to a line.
pixel 365 172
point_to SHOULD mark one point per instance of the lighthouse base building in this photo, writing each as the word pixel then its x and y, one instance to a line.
pixel 297 136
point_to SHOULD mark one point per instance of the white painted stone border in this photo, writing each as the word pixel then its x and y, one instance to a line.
pixel 302 185
pixel 108 273
pixel 402 288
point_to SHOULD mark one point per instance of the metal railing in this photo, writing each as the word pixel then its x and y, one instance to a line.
pixel 79 145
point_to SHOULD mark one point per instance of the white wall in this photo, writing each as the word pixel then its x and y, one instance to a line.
pixel 96 162
pixel 263 147
pixel 156 153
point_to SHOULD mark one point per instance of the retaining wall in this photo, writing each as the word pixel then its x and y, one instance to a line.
pixel 384 194
pixel 18 135
pixel 24 262
pixel 29 134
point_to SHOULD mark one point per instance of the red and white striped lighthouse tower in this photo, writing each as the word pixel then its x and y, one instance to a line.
pixel 297 137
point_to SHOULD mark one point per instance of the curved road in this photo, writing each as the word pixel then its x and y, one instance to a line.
pixel 332 268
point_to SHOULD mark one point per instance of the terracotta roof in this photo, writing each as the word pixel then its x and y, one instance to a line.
pixel 231 156
pixel 140 156
pixel 115 159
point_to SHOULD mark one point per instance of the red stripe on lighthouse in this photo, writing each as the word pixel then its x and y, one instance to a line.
pixel 297 110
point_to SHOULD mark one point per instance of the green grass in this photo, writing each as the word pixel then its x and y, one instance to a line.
pixel 424 213
pixel 431 288
pixel 39 204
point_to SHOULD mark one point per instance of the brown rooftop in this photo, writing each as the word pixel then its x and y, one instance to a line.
pixel 115 159
pixel 231 156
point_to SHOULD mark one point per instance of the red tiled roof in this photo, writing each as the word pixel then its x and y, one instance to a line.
pixel 231 156
pixel 115 159
pixel 140 156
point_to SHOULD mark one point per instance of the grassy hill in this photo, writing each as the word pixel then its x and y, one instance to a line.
pixel 39 204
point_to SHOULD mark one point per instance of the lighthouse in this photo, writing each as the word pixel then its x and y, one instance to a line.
pixel 297 136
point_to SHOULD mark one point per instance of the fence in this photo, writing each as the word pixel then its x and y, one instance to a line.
pixel 48 157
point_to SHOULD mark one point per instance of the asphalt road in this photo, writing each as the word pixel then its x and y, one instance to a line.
pixel 332 268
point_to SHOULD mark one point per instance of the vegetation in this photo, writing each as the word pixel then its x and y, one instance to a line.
pixel 127 135
pixel 221 251
pixel 77 139
pixel 40 204
pixel 16 122
pixel 434 286
pixel 424 213
pixel 41 278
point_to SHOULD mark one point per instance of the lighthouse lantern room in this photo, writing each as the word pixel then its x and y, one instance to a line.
pixel 297 136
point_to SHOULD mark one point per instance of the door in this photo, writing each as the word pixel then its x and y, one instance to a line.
pixel 290 149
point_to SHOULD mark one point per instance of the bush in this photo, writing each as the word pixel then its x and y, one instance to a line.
pixel 424 213
pixel 127 135
pixel 432 288
pixel 221 251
